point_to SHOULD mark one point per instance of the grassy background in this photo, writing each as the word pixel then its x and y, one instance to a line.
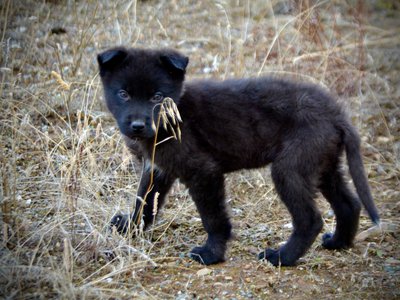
pixel 65 170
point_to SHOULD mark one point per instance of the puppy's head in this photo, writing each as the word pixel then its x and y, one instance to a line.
pixel 136 81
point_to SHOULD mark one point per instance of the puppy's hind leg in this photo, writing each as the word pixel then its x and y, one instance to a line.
pixel 296 191
pixel 346 207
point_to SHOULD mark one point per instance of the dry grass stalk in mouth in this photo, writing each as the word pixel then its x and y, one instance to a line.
pixel 170 118
pixel 169 111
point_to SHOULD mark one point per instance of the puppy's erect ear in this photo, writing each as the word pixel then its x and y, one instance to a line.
pixel 111 58
pixel 174 62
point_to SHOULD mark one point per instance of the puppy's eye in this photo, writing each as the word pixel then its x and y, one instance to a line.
pixel 123 95
pixel 157 97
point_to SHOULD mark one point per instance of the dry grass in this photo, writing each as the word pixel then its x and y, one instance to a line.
pixel 65 170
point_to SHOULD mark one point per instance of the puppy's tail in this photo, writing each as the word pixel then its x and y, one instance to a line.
pixel 357 172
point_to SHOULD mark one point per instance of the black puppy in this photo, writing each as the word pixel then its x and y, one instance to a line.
pixel 231 125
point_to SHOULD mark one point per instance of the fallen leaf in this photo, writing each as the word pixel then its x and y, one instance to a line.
pixel 376 230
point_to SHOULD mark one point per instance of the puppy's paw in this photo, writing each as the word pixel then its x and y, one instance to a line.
pixel 330 242
pixel 121 223
pixel 275 257
pixel 205 256
pixel 271 255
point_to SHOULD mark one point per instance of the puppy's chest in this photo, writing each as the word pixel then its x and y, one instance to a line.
pixel 164 156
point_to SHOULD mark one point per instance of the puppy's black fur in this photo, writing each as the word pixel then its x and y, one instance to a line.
pixel 231 125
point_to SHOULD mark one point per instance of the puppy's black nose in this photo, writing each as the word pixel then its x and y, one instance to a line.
pixel 137 125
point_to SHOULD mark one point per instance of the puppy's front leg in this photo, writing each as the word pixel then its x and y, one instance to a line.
pixel 208 193
pixel 153 181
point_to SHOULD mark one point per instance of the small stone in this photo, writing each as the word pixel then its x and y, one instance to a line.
pixel 204 272
pixel 288 226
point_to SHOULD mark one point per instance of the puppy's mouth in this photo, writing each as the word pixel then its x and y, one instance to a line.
pixel 137 136
pixel 142 135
